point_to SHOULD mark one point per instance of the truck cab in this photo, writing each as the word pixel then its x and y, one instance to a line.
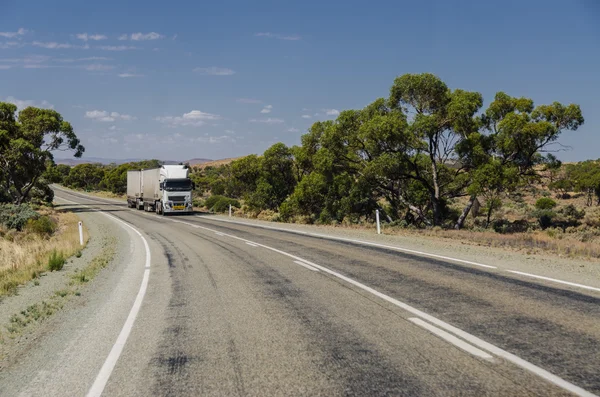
pixel 176 190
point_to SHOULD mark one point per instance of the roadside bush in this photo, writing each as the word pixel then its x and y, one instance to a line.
pixel 44 226
pixel 571 212
pixel 545 218
pixel 592 220
pixel 218 203
pixel 545 203
pixel 16 216
pixel 56 261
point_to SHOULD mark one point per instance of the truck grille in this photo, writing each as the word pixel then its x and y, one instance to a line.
pixel 177 198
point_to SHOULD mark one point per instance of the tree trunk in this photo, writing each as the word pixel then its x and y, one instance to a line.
pixel 489 215
pixel 415 210
pixel 435 199
pixel 461 219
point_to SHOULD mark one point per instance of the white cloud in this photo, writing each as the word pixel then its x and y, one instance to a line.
pixel 267 109
pixel 293 130
pixel 127 75
pixel 10 35
pixel 94 37
pixel 248 100
pixel 141 36
pixel 116 47
pixel 98 67
pixel 306 116
pixel 36 66
pixel 332 112
pixel 52 45
pixel 71 60
pixel 213 139
pixel 267 121
pixel 215 71
pixel 113 128
pixel 279 36
pixel 11 44
pixel 104 116
pixel 27 59
pixel 195 118
pixel 5 67
pixel 23 103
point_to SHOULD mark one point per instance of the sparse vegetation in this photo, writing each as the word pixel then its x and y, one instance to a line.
pixel 40 311
pixel 56 261
pixel 25 254
pixel 94 267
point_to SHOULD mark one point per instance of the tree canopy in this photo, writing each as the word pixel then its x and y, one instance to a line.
pixel 411 155
pixel 26 145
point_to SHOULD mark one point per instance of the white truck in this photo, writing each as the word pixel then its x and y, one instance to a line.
pixel 164 190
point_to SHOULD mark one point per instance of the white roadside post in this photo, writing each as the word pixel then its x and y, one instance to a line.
pixel 80 233
pixel 230 210
pixel 378 225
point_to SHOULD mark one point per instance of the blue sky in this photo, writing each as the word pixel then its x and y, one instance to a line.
pixel 184 79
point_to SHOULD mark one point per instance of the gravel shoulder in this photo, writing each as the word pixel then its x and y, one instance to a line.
pixel 573 270
pixel 46 289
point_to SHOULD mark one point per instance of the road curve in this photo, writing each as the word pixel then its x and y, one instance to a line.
pixel 238 310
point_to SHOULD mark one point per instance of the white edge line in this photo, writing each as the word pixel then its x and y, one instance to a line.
pixel 111 360
pixel 458 332
pixel 251 244
pixel 452 339
pixel 555 280
pixel 583 286
pixel 542 373
pixel 355 241
pixel 309 267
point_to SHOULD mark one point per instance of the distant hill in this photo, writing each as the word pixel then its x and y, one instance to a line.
pixel 87 160
pixel 214 163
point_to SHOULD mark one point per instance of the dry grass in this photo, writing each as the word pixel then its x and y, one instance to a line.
pixel 23 255
pixel 104 194
pixel 538 242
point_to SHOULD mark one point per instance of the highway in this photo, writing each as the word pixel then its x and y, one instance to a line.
pixel 195 306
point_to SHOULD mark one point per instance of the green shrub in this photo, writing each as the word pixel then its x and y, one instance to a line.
pixel 16 216
pixel 56 261
pixel 218 203
pixel 571 212
pixel 44 226
pixel 545 218
pixel 545 203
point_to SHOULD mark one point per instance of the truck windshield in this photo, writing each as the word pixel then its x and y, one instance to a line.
pixel 179 185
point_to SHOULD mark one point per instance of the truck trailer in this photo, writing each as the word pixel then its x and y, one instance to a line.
pixel 163 190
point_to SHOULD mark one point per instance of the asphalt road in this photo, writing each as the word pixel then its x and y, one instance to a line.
pixel 234 310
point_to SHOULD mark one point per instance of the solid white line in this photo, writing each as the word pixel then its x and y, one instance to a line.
pixel 555 280
pixel 219 234
pixel 456 331
pixel 251 244
pixel 452 339
pixel 395 248
pixel 309 267
pixel 450 328
pixel 109 364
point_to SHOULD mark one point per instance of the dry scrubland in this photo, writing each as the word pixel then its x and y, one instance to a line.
pixel 25 255
pixel 581 241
